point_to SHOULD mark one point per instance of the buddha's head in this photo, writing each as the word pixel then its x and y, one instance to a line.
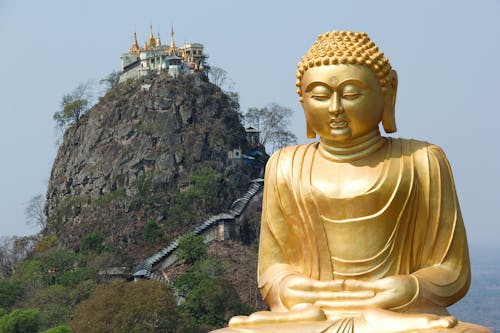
pixel 346 87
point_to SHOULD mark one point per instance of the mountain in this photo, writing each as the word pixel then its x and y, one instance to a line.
pixel 152 151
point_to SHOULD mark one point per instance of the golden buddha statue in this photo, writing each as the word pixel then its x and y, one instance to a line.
pixel 360 232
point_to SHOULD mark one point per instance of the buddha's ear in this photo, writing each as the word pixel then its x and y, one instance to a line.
pixel 390 92
pixel 309 131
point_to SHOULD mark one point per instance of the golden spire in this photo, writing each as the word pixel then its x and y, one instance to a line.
pixel 135 46
pixel 172 43
pixel 158 40
pixel 151 42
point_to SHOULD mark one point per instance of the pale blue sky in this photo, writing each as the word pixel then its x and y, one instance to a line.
pixel 445 52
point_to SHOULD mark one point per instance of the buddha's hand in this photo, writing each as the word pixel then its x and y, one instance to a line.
pixel 395 293
pixel 297 289
pixel 300 312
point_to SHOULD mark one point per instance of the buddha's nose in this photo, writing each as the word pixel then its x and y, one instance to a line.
pixel 335 105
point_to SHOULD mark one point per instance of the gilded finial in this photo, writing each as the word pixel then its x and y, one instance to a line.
pixel 151 42
pixel 158 40
pixel 135 45
pixel 172 42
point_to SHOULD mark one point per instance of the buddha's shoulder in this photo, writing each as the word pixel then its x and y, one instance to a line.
pixel 419 149
pixel 293 152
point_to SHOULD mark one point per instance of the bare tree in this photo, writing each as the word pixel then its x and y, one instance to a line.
pixel 111 80
pixel 14 249
pixel 34 211
pixel 6 262
pixel 272 121
pixel 283 139
pixel 217 75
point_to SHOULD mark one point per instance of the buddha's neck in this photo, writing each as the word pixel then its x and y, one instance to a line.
pixel 352 150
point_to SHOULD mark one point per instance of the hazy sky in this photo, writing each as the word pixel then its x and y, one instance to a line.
pixel 445 52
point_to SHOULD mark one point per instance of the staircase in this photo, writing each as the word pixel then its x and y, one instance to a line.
pixel 145 269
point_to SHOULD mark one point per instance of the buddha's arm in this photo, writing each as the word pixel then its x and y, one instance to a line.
pixel 273 265
pixel 281 248
pixel 444 268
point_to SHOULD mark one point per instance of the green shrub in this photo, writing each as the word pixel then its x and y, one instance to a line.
pixel 20 321
pixel 179 212
pixel 209 299
pixel 119 306
pixel 55 304
pixel 31 274
pixel 191 248
pixel 205 187
pixel 75 276
pixel 10 291
pixel 144 190
pixel 45 244
pixel 92 242
pixel 107 198
pixel 201 197
pixel 56 266
pixel 59 329
pixel 152 231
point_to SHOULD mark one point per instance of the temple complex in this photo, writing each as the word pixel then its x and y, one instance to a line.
pixel 155 57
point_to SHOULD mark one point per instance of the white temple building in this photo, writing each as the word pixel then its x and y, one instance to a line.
pixel 154 57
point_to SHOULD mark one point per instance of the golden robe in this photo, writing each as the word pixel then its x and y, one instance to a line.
pixel 408 222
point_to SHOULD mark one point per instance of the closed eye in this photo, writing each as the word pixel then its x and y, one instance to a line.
pixel 319 91
pixel 351 96
pixel 320 97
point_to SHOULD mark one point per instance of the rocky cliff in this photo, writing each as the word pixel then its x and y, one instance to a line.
pixel 152 151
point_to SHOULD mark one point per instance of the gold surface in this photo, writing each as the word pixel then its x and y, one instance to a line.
pixel 135 49
pixel 151 42
pixel 158 40
pixel 173 48
pixel 360 232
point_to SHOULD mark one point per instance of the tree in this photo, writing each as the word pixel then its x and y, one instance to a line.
pixel 209 299
pixel 13 250
pixel 34 211
pixel 204 188
pixel 55 266
pixel 201 197
pixel 10 291
pixel 191 248
pixel 119 306
pixel 111 80
pixel 92 242
pixel 272 121
pixel 7 259
pixel 152 231
pixel 217 75
pixel 55 305
pixel 20 321
pixel 73 106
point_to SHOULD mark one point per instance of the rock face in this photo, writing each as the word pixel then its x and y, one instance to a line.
pixel 123 165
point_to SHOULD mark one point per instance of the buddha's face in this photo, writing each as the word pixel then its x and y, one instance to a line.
pixel 342 102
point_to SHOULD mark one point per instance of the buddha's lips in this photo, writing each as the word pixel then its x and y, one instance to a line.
pixel 338 123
